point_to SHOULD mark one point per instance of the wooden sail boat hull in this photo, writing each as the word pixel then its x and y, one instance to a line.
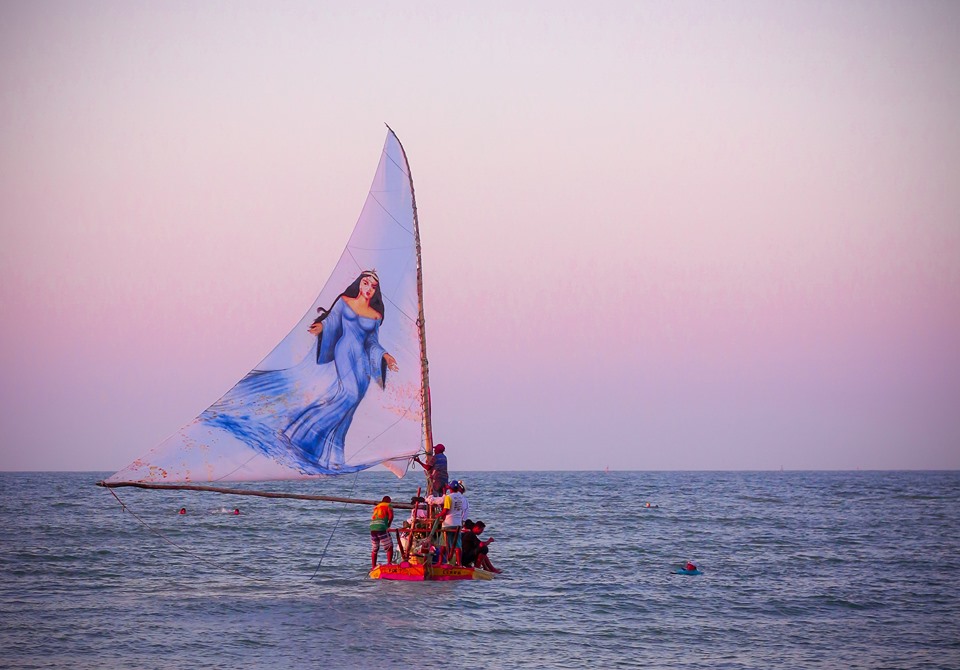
pixel 409 572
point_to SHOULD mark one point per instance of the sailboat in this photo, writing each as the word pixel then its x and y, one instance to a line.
pixel 345 390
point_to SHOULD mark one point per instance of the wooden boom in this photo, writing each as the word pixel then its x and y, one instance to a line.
pixel 246 492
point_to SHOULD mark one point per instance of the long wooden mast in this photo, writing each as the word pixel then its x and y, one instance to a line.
pixel 421 322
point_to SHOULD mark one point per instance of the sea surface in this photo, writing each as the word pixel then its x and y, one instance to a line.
pixel 800 570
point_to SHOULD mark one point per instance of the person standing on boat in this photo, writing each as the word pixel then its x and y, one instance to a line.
pixel 436 467
pixel 453 505
pixel 380 531
pixel 465 512
pixel 456 546
pixel 452 511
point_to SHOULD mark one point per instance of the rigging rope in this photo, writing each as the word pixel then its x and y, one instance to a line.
pixel 335 526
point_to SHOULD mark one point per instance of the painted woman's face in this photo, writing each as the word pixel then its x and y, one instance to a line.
pixel 368 287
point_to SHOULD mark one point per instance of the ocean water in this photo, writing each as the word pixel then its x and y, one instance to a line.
pixel 800 570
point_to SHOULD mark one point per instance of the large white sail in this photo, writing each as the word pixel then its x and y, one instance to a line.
pixel 331 398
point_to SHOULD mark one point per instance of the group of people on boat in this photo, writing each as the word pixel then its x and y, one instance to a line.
pixel 439 529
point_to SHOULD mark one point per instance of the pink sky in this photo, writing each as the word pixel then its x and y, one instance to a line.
pixel 656 235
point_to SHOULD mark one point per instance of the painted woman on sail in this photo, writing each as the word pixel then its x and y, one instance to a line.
pixel 301 415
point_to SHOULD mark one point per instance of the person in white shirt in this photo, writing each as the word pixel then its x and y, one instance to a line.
pixel 454 511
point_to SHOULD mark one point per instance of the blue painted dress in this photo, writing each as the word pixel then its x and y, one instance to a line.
pixel 301 415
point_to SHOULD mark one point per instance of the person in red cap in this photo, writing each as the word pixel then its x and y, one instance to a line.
pixel 436 467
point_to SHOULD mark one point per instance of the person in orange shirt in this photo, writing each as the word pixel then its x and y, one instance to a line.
pixel 380 530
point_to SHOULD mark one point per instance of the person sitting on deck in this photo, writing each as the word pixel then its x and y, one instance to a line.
pixel 475 550
pixel 406 535
pixel 436 467
pixel 420 509
pixel 411 528
pixel 465 529
pixel 470 544
pixel 380 531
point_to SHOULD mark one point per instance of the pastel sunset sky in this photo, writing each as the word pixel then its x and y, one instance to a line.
pixel 657 235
